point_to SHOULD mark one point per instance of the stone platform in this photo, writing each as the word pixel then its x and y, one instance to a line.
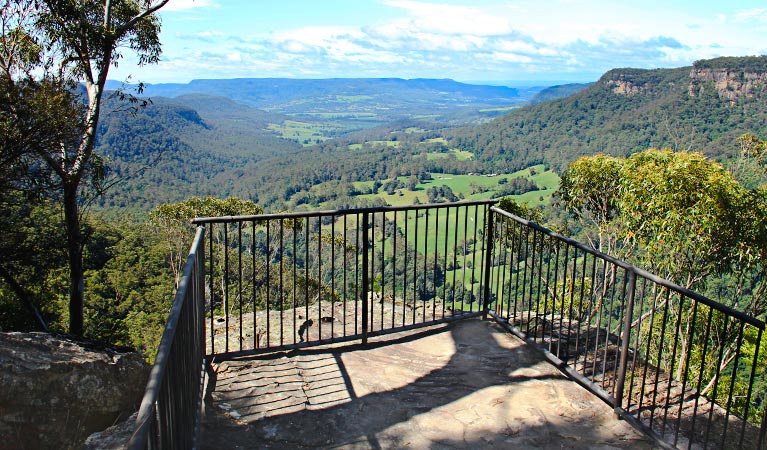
pixel 467 384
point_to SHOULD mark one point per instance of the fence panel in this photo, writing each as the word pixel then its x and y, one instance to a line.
pixel 677 364
pixel 169 415
pixel 296 279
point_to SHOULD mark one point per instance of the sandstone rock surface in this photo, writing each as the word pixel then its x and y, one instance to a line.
pixel 55 392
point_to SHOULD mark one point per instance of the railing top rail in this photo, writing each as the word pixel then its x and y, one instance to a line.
pixel 638 271
pixel 336 212
pixel 146 410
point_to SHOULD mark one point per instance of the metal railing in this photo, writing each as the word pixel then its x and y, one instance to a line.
pixel 676 364
pixel 683 368
pixel 298 279
pixel 170 411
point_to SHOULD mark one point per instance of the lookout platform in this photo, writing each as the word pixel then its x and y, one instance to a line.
pixel 464 384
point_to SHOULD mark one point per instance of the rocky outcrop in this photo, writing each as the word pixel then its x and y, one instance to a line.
pixel 55 392
pixel 730 85
pixel 625 87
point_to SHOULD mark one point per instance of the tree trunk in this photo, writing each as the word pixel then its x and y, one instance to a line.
pixel 24 297
pixel 75 250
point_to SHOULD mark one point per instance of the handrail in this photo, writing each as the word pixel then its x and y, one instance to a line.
pixel 336 212
pixel 638 271
pixel 647 346
pixel 169 414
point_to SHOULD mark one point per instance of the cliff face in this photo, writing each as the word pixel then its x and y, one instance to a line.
pixel 732 79
pixel 730 84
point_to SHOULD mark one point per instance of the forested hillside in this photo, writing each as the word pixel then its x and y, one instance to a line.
pixel 213 145
pixel 169 151
pixel 704 107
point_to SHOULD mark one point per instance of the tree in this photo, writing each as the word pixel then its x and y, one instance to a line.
pixel 590 190
pixel 48 47
pixel 173 221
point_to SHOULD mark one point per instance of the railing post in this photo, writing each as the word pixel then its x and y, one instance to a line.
pixel 629 313
pixel 365 275
pixel 489 237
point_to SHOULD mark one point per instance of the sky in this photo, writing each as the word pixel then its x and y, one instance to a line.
pixel 489 41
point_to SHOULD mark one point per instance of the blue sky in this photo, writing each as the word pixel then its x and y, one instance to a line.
pixel 466 40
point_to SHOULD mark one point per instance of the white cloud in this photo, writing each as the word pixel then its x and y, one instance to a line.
pixel 181 5
pixel 450 19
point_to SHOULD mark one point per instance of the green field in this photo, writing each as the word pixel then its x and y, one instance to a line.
pixel 393 144
pixel 460 155
pixel 472 187
pixel 305 133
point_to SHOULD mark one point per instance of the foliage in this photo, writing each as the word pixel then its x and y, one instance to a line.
pixel 49 47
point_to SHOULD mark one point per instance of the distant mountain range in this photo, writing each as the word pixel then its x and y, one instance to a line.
pixel 355 102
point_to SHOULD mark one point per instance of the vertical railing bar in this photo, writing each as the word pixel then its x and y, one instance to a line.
pixel 555 295
pixel 212 292
pixel 404 274
pixel 474 258
pixel 660 357
pixel 464 251
pixel 733 377
pixel 365 275
pixel 268 283
pixel 415 266
pixel 295 277
pixel 307 239
pixel 524 281
pixel 650 333
pixel 357 280
pixel 515 269
pixel 580 310
pixel 508 264
pixel 346 259
pixel 434 270
pixel 763 428
pixel 282 284
pixel 455 259
pixel 383 268
pixel 589 317
pixel 637 347
pixel 700 374
pixel 319 277
pixel 673 361
pixel 547 292
pixel 627 318
pixel 503 256
pixel 513 264
pixel 395 231
pixel 542 246
pixel 600 312
pixel 239 276
pixel 566 262
pixel 372 274
pixel 608 325
pixel 425 263
pixel 712 399
pixel 570 306
pixel 444 255
pixel 332 275
pixel 488 251
pixel 621 332
pixel 226 285
pixel 686 366
pixel 253 280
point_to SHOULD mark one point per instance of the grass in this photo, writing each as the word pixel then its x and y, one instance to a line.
pixel 460 155
pixel 472 187
pixel 392 144
pixel 305 133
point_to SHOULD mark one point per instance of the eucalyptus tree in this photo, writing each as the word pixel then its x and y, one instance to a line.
pixel 50 48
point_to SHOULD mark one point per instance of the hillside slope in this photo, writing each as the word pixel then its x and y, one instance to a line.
pixel 704 107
